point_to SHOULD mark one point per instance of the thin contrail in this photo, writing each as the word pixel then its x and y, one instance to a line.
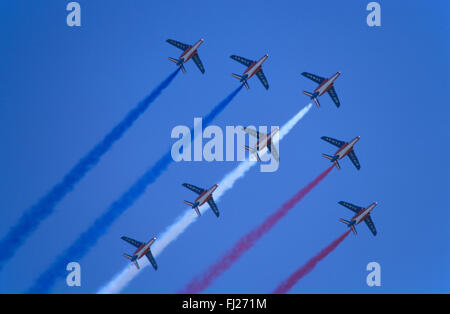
pixel 101 225
pixel 186 219
pixel 286 285
pixel 32 217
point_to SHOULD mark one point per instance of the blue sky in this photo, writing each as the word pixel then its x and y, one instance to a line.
pixel 64 88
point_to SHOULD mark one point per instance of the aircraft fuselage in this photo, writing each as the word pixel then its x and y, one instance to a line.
pixel 325 85
pixel 205 196
pixel 143 249
pixel 254 67
pixel 345 149
pixel 266 140
pixel 363 214
pixel 186 55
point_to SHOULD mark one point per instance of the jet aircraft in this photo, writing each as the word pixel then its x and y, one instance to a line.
pixel 345 149
pixel 263 141
pixel 204 196
pixel 361 214
pixel 253 67
pixel 325 85
pixel 142 249
pixel 188 53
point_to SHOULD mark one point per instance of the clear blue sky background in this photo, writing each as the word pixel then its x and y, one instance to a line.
pixel 62 89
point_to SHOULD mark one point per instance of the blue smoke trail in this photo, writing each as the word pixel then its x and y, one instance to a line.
pixel 89 238
pixel 31 219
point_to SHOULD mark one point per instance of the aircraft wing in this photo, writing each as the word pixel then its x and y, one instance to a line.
pixel 178 44
pixel 273 151
pixel 371 225
pixel 354 208
pixel 152 260
pixel 262 78
pixel 252 132
pixel 198 62
pixel 334 96
pixel 132 241
pixel 194 188
pixel 333 141
pixel 213 206
pixel 313 77
pixel 242 60
pixel 354 160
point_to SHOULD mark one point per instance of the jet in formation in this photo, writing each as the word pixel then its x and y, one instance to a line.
pixel 345 149
pixel 253 67
pixel 143 249
pixel 361 214
pixel 204 196
pixel 263 141
pixel 325 85
pixel 189 52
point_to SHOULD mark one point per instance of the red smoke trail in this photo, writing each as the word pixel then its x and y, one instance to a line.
pixel 247 241
pixel 286 285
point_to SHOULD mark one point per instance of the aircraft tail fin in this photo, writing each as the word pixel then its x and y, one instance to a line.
pixel 179 63
pixel 127 256
pixel 194 207
pixel 310 95
pixel 131 258
pixel 316 101
pixel 348 223
pixel 240 78
pixel 253 151
pixel 250 149
pixel 307 93
pixel 336 163
pixel 338 166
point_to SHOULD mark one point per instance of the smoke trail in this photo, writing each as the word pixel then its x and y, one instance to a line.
pixel 89 238
pixel 247 241
pixel 186 219
pixel 31 219
pixel 286 285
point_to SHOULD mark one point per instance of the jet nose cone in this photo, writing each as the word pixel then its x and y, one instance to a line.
pixel 376 203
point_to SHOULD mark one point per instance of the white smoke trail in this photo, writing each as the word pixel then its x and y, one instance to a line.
pixel 182 222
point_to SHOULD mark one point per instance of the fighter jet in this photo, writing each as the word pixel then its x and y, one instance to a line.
pixel 345 149
pixel 253 67
pixel 361 214
pixel 325 85
pixel 263 141
pixel 205 196
pixel 142 249
pixel 188 53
